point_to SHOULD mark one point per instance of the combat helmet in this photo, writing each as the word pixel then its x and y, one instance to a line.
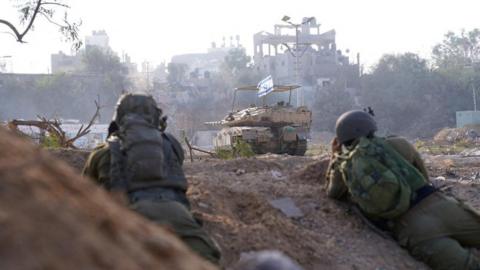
pixel 354 124
pixel 140 104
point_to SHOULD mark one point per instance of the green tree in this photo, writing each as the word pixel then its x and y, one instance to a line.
pixel 330 102
pixel 237 68
pixel 458 50
pixel 401 92
pixel 31 10
pixel 98 61
pixel 106 65
pixel 237 59
pixel 457 60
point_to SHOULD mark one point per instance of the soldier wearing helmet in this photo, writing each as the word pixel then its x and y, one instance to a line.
pixel 433 227
pixel 145 163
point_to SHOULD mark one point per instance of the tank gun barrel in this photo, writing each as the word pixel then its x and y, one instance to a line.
pixel 215 123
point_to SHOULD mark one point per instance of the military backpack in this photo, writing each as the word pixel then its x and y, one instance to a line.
pixel 379 179
pixel 137 153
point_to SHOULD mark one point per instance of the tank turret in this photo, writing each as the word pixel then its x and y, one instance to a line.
pixel 280 128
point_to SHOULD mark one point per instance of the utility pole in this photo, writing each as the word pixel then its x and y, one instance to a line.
pixel 474 96
pixel 297 55
pixel 472 81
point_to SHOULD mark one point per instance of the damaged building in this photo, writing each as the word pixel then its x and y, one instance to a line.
pixel 302 54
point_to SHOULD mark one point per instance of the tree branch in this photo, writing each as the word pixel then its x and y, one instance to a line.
pixel 35 12
pixel 55 3
pixel 82 131
pixel 38 10
pixel 14 29
pixel 50 20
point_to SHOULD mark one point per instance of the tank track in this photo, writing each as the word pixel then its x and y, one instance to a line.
pixel 301 148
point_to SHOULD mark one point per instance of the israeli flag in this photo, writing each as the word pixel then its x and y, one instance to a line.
pixel 265 86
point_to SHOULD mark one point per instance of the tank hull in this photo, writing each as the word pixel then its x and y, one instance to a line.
pixel 279 140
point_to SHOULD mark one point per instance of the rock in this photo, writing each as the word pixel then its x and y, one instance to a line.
pixel 266 260
pixel 239 171
pixel 277 175
pixel 204 205
pixel 287 206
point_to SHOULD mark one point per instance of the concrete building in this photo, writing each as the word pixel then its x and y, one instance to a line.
pixel 202 64
pixel 63 63
pixel 309 57
pixel 99 39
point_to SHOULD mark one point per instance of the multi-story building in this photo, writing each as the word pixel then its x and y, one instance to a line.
pixel 63 63
pixel 99 39
pixel 302 54
pixel 202 64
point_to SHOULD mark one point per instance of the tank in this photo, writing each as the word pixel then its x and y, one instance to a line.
pixel 280 128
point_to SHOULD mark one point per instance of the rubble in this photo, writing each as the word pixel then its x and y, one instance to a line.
pixel 454 135
pixel 475 152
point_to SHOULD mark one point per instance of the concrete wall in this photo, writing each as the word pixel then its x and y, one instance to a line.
pixel 468 118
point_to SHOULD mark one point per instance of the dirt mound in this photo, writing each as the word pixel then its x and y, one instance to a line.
pixel 76 158
pixel 51 218
pixel 314 172
pixel 238 212
pixel 246 165
pixel 455 135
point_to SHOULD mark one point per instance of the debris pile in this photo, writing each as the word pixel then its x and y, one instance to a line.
pixel 470 134
pixel 50 218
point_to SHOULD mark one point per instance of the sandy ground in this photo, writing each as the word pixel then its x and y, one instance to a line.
pixel 233 198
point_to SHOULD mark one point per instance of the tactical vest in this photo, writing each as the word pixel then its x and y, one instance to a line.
pixel 141 156
pixel 379 179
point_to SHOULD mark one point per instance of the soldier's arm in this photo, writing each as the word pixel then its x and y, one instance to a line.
pixel 419 163
pixel 97 166
pixel 177 147
pixel 89 168
pixel 408 151
pixel 335 186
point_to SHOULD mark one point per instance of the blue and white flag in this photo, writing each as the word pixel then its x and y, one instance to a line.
pixel 265 86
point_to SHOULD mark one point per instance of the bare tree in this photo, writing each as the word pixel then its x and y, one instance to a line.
pixel 54 128
pixel 30 10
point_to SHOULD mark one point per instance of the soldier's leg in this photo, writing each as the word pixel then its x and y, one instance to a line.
pixel 434 231
pixel 177 217
pixel 443 254
pixel 462 222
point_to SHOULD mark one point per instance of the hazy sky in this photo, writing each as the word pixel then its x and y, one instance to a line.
pixel 156 30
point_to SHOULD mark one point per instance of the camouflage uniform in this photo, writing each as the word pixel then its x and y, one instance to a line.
pixel 163 201
pixel 436 230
